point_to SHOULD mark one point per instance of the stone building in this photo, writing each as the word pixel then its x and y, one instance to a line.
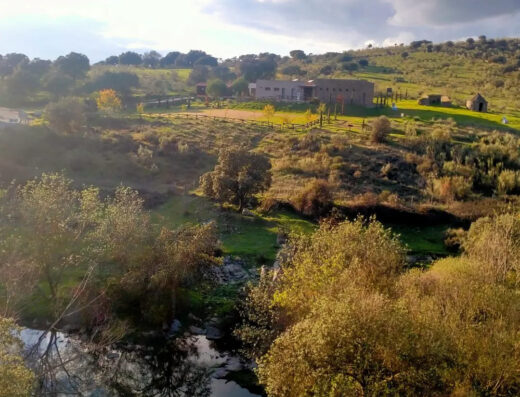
pixel 280 90
pixel 358 92
pixel 435 99
pixel 477 103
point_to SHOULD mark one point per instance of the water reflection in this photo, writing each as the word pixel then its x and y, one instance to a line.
pixel 157 366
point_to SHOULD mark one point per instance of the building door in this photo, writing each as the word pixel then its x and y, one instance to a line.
pixel 283 93
pixel 480 106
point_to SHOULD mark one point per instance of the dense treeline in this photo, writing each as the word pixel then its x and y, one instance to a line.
pixel 422 63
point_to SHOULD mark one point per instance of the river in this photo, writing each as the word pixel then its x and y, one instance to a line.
pixel 188 365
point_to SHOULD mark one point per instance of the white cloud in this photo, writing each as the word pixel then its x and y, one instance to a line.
pixel 232 27
pixel 402 37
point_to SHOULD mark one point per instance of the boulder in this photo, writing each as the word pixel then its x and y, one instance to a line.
pixel 213 333
pixel 196 330
pixel 247 212
pixel 234 364
pixel 175 326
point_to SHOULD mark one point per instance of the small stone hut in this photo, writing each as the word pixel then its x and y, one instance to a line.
pixel 478 103
pixel 434 99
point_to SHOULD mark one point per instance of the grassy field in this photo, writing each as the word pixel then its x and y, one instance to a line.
pixel 252 238
pixel 409 108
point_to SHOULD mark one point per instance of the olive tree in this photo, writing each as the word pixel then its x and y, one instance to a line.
pixel 238 175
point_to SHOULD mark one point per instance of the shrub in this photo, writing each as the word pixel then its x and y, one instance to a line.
pixel 381 127
pixel 66 115
pixel 508 181
pixel 449 188
pixel 410 129
pixel 453 239
pixel 315 199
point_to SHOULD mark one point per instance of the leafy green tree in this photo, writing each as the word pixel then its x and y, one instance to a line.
pixel 298 54
pixel 237 176
pixel 66 115
pixel 57 83
pixel 122 82
pixel 327 70
pixel 151 59
pixel 169 59
pixel 74 65
pixel 199 74
pixel 240 86
pixel 130 58
pixel 293 70
pixel 9 62
pixel 216 88
pixel 112 60
pixel 38 67
pixel 193 56
pixel 253 67
pixel 207 60
pixel 21 84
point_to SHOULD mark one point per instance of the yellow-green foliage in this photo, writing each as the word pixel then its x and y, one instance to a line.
pixel 449 188
pixel 351 251
pixel 16 380
pixel 355 323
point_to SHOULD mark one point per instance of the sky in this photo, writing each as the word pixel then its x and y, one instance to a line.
pixel 227 28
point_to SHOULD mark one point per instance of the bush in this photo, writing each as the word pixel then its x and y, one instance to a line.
pixel 315 199
pixel 453 239
pixel 381 127
pixel 508 181
pixel 449 188
pixel 66 115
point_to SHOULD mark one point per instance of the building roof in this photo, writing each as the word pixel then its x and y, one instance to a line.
pixel 478 97
pixel 201 85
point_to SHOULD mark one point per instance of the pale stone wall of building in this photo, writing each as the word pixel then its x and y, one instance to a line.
pixel 358 92
pixel 279 90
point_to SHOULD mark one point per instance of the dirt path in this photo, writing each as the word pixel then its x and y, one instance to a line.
pixel 8 115
pixel 234 113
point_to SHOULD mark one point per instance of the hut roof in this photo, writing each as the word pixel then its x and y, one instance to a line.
pixel 478 98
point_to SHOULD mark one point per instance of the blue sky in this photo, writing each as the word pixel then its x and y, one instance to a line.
pixel 225 28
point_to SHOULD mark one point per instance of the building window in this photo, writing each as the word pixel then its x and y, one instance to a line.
pixel 276 89
pixel 339 89
pixel 268 88
pixel 327 88
pixel 333 89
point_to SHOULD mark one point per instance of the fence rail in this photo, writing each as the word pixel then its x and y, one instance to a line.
pixel 262 123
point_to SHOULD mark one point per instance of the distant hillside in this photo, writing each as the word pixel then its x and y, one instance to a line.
pixel 458 69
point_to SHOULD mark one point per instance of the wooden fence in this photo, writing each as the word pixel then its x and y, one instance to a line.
pixel 261 123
